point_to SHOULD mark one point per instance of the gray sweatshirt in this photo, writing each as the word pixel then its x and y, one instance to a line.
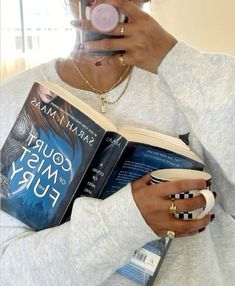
pixel 193 92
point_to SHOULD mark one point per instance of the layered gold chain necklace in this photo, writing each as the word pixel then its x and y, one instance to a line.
pixel 103 94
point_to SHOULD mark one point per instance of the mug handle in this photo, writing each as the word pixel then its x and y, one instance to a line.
pixel 210 201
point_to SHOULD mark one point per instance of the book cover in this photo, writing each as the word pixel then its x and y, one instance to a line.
pixel 45 157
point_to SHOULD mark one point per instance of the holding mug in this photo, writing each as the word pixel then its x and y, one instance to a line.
pixel 167 175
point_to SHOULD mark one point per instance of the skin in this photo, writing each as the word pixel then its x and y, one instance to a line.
pixel 154 207
pixel 146 44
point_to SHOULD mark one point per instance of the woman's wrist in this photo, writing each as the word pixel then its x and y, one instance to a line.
pixel 162 51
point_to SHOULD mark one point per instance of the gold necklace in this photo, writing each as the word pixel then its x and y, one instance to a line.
pixel 102 94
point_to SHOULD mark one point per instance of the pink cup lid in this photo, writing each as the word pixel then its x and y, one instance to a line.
pixel 104 17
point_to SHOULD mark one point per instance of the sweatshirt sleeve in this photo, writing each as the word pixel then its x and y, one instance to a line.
pixel 203 85
pixel 100 237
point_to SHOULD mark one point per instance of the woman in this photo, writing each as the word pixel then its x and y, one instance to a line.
pixel 172 88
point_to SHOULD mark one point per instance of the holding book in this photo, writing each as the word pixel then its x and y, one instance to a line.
pixel 103 235
pixel 60 149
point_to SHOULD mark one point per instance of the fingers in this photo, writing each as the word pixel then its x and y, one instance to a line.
pixel 144 41
pixel 119 59
pixel 164 232
pixel 122 30
pixel 116 44
pixel 159 194
pixel 154 204
pixel 188 226
pixel 182 205
pixel 176 187
pixel 180 228
pixel 186 205
pixel 120 44
pixel 141 183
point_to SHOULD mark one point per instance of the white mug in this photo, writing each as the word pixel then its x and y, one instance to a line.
pixel 167 175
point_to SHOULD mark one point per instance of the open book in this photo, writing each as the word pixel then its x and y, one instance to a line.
pixel 60 149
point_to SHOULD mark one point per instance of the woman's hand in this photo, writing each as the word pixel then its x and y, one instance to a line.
pixel 153 202
pixel 145 42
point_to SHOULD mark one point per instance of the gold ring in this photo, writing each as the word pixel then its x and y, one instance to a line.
pixel 170 234
pixel 122 31
pixel 172 208
pixel 121 59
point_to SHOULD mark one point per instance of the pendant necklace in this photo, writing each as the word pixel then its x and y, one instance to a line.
pixel 102 94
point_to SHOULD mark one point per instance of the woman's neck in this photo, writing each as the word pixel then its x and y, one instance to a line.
pixel 101 76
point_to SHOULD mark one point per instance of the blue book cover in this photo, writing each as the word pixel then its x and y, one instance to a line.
pixel 45 158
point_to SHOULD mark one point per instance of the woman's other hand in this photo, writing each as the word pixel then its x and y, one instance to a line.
pixel 144 41
pixel 154 204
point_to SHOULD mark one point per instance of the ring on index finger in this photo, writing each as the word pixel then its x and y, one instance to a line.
pixel 122 31
pixel 121 59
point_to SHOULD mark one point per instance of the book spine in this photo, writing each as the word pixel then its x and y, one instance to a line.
pixel 44 158
pixel 102 165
